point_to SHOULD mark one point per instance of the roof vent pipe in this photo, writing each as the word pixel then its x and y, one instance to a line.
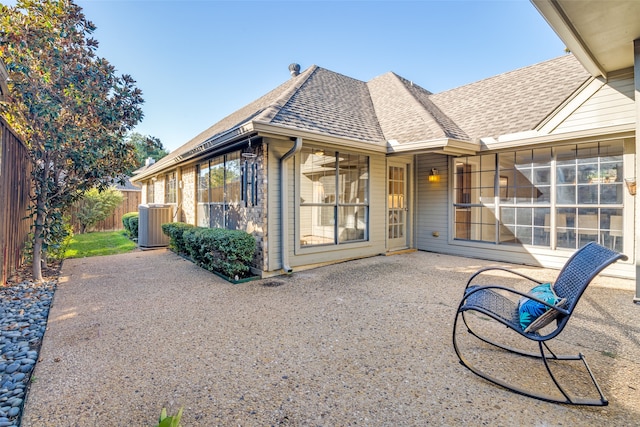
pixel 294 69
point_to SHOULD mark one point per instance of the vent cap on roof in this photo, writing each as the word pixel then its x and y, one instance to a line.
pixel 294 69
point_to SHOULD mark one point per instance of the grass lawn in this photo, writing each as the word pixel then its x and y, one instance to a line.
pixel 99 243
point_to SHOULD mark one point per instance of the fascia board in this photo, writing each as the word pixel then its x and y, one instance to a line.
pixel 571 105
pixel 284 132
pixel 561 24
pixel 444 144
pixel 600 134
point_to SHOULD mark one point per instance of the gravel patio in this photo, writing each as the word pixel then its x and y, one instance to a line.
pixel 365 342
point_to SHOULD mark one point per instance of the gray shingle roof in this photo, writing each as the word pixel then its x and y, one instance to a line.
pixel 512 102
pixel 332 104
pixel 390 107
pixel 405 112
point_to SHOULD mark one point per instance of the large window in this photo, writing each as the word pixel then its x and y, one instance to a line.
pixel 226 184
pixel 334 191
pixel 170 186
pixel 562 197
pixel 151 190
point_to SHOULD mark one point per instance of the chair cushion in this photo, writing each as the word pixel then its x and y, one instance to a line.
pixel 530 310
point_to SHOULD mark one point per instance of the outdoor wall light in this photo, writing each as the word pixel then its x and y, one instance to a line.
pixel 434 176
pixel 631 185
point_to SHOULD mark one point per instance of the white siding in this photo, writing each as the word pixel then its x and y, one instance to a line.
pixel 613 104
pixel 432 203
pixel 277 149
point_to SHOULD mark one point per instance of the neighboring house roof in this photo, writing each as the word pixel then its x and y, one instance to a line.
pixel 512 102
pixel 128 186
pixel 391 108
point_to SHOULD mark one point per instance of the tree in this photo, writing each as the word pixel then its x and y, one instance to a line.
pixel 96 206
pixel 146 146
pixel 68 105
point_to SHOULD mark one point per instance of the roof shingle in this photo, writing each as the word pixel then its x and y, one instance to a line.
pixel 390 107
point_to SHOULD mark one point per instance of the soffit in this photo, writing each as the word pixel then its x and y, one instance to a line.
pixel 600 33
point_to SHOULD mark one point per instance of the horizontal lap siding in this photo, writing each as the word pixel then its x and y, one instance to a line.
pixel 276 149
pixel 432 204
pixel 612 105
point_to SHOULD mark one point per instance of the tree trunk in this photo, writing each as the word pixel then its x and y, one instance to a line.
pixel 37 244
pixel 38 232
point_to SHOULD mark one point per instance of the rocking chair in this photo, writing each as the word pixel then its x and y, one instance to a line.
pixel 491 300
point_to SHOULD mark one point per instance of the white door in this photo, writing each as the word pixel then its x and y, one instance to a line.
pixel 397 207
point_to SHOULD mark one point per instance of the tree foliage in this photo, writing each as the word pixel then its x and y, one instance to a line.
pixel 96 206
pixel 70 107
pixel 146 146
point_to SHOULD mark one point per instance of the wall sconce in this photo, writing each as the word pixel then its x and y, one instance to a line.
pixel 433 175
pixel 318 152
pixel 181 184
pixel 631 185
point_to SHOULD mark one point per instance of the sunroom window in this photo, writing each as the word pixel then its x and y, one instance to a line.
pixel 219 192
pixel 561 197
pixel 334 206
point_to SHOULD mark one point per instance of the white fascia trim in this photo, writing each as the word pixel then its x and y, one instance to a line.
pixel 561 24
pixel 603 133
pixel 568 108
pixel 284 132
pixel 445 144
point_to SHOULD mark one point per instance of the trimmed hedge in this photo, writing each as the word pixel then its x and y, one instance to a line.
pixel 228 252
pixel 175 230
pixel 131 227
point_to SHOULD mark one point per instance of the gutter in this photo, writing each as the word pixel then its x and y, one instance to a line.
pixel 284 201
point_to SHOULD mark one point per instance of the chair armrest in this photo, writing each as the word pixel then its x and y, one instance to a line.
pixel 474 289
pixel 484 270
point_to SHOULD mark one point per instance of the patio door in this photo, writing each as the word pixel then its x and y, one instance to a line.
pixel 397 207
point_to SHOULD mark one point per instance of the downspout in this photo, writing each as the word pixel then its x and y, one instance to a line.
pixel 284 199
pixel 634 174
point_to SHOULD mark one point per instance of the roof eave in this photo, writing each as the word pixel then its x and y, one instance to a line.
pixel 561 24
pixel 449 146
pixel 600 134
pixel 280 132
pixel 211 144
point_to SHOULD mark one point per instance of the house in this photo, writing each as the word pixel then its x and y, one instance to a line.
pixel 522 167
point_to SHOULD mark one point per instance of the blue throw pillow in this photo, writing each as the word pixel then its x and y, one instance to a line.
pixel 530 310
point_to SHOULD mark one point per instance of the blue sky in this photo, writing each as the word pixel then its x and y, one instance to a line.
pixel 198 61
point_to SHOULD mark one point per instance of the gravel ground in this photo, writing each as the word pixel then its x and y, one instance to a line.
pixel 366 342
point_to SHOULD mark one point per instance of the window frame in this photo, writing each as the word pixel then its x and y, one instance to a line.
pixel 347 221
pixel 551 218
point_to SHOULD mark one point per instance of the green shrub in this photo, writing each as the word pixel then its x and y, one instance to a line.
pixel 96 205
pixel 125 221
pixel 228 252
pixel 133 226
pixel 169 421
pixel 175 230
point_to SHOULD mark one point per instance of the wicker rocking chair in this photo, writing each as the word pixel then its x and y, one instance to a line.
pixel 492 301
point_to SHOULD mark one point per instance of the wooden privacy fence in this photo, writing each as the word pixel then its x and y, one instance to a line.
pixel 132 198
pixel 15 197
